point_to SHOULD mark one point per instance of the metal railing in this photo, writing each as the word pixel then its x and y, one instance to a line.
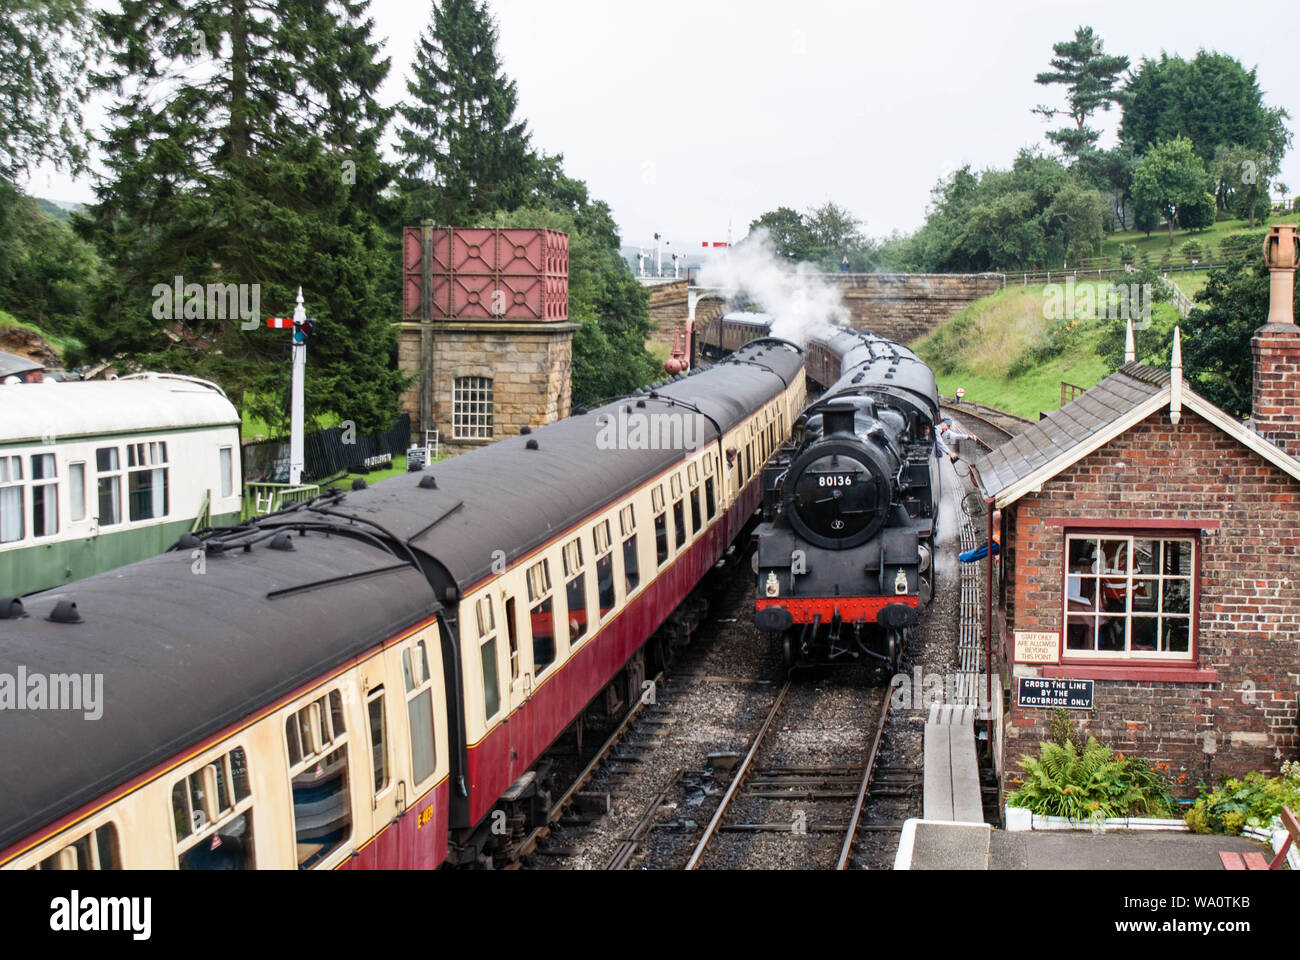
pixel 261 498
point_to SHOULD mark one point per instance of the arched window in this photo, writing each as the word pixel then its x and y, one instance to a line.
pixel 472 409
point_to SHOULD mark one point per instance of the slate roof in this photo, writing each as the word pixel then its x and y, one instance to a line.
pixel 1077 421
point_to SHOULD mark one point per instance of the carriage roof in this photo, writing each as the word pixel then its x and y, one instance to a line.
pixel 32 411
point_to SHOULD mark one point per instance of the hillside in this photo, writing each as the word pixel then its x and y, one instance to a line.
pixel 1012 350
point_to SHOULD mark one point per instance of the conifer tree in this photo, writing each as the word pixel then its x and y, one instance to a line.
pixel 463 153
pixel 243 149
pixel 1089 75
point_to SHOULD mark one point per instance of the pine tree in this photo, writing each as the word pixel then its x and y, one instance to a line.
pixel 243 149
pixel 44 47
pixel 1090 76
pixel 463 153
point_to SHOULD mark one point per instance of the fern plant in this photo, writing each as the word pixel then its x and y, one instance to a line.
pixel 1065 781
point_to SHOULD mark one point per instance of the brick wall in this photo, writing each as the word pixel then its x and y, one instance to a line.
pixel 1276 384
pixel 1248 598
pixel 528 363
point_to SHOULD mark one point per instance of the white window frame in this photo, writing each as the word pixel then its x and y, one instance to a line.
pixel 473 406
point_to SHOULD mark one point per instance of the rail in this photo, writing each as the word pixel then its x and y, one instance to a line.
pixel 846 851
pixel 742 772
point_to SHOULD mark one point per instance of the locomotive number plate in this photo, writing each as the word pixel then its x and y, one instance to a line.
pixel 835 480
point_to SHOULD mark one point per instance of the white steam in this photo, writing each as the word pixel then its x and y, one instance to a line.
pixel 801 301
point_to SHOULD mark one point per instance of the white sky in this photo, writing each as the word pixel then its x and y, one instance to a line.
pixel 687 117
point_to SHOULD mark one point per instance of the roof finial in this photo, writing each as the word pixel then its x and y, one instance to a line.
pixel 1130 351
pixel 1176 379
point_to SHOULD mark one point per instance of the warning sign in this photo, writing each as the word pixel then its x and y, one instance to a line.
pixel 1037 647
pixel 1070 694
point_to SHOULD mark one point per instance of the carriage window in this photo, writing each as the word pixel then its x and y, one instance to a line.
pixel 227 471
pixel 1129 597
pixel 692 473
pixel 631 570
pixel 604 568
pixel 709 500
pixel 657 498
pixel 676 484
pixel 679 522
pixel 378 737
pixel 77 492
pixel 627 520
pixel 11 499
pixel 45 496
pixel 212 811
pixel 541 613
pixel 419 711
pixel 147 473
pixel 661 538
pixel 96 850
pixel 487 632
pixel 513 636
pixel 696 520
pixel 575 590
pixel 109 467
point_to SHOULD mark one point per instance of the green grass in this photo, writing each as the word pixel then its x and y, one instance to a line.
pixel 59 343
pixel 1158 243
pixel 1189 283
pixel 1012 350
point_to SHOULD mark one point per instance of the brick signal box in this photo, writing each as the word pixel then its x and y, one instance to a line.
pixel 484 330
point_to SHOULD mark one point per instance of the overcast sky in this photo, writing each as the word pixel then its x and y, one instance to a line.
pixel 688 117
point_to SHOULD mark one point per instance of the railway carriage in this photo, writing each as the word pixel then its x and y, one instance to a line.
pixel 372 679
pixel 726 334
pixel 99 474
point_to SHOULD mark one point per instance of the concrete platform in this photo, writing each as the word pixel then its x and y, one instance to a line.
pixel 1114 851
pixel 928 845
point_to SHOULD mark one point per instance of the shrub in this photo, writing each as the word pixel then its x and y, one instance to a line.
pixel 1061 334
pixel 1251 801
pixel 1065 782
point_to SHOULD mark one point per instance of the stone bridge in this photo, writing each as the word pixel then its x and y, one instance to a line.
pixel 901 306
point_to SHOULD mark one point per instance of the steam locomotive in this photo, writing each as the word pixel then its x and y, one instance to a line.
pixel 845 555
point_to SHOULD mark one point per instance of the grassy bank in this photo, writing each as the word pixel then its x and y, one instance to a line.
pixel 1012 350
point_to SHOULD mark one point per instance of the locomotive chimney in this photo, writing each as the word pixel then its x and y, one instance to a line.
pixel 1275 406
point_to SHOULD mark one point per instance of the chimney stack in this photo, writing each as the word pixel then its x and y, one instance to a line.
pixel 1276 347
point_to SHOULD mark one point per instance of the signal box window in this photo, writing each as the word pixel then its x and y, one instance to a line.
pixel 96 850
pixel 472 408
pixel 322 807
pixel 419 710
pixel 541 611
pixel 212 810
pixel 1129 597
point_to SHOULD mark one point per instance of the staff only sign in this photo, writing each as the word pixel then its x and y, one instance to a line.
pixel 1070 694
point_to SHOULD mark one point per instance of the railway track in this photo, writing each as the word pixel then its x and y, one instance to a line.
pixel 769 796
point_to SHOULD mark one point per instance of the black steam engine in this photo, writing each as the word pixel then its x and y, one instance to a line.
pixel 846 547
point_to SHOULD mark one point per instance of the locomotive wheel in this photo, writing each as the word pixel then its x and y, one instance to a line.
pixel 787 653
pixel 894 650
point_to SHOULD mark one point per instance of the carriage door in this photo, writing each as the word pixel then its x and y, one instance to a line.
pixel 519 679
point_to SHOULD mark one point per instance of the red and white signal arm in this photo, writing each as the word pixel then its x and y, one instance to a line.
pixel 280 323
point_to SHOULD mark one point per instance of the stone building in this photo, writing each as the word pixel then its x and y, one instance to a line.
pixel 1151 552
pixel 485 335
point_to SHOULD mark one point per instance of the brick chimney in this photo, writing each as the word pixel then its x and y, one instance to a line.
pixel 1276 347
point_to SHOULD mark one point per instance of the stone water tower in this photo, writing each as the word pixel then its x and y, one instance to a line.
pixel 484 331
